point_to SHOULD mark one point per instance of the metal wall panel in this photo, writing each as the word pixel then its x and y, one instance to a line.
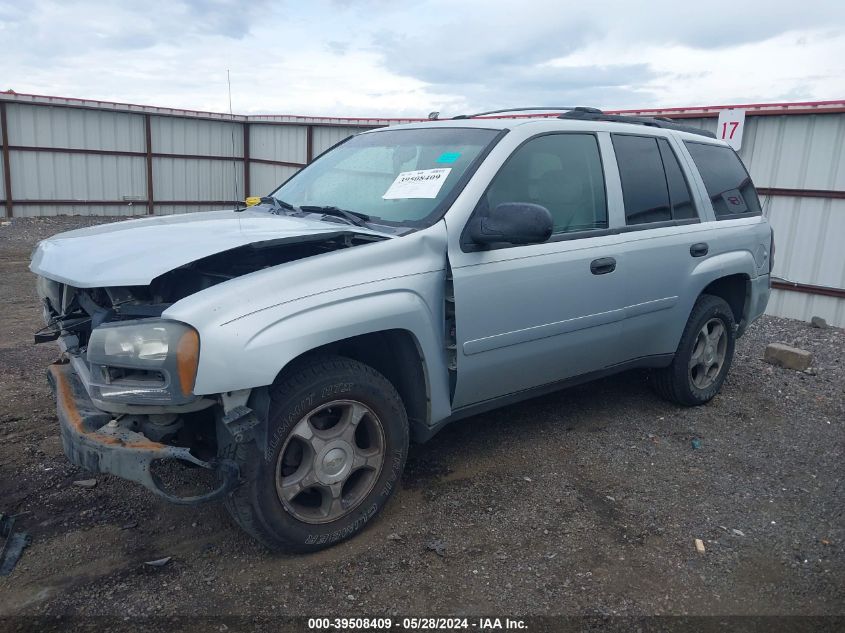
pixel 172 209
pixel 796 151
pixel 325 137
pixel 809 235
pixel 39 210
pixel 197 179
pixel 172 135
pixel 59 176
pixel 286 143
pixel 799 305
pixel 40 126
pixel 265 178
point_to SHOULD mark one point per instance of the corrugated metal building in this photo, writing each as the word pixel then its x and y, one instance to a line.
pixel 77 156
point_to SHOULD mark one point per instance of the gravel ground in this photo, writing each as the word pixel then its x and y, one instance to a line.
pixel 587 501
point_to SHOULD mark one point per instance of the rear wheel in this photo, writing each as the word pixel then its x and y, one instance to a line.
pixel 704 355
pixel 338 439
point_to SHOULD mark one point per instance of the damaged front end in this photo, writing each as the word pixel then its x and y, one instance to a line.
pixel 96 441
pixel 124 383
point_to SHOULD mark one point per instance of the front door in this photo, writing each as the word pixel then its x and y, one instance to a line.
pixel 531 315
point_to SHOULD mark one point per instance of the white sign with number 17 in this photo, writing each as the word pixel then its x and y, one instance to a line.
pixel 731 123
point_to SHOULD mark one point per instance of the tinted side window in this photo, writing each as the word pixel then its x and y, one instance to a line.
pixel 679 193
pixel 562 172
pixel 644 189
pixel 728 184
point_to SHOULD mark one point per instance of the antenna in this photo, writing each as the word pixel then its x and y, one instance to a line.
pixel 234 160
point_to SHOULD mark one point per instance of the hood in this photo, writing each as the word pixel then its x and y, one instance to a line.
pixel 135 252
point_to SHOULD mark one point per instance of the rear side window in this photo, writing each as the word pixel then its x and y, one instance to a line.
pixel 679 193
pixel 653 185
pixel 644 189
pixel 726 180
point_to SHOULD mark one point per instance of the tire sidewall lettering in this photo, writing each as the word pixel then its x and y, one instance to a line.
pixel 281 432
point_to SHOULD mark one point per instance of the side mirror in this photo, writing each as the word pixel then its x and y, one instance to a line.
pixel 513 223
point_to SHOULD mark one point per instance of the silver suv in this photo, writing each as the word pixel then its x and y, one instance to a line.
pixel 409 277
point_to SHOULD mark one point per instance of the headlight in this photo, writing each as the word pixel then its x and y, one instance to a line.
pixel 143 343
pixel 163 352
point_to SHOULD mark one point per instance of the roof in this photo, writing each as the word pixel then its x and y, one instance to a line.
pixel 752 109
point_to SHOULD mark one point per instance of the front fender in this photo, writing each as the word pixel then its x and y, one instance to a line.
pixel 251 350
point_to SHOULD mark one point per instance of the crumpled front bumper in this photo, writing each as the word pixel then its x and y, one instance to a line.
pixel 92 443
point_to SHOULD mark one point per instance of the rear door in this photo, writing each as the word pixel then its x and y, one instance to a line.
pixel 531 315
pixel 664 241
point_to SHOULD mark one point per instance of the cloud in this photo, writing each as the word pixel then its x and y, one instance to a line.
pixel 381 58
pixel 337 48
pixel 504 85
pixel 606 54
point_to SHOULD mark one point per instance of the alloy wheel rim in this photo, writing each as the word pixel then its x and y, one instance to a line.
pixel 331 461
pixel 708 354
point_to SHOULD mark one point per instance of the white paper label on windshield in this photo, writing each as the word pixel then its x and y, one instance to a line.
pixel 422 183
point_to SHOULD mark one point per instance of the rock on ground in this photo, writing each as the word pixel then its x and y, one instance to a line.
pixel 787 357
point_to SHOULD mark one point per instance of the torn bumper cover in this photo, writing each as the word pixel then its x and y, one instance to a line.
pixel 93 444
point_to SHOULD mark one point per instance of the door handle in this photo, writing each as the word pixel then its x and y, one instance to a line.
pixel 602 266
pixel 699 250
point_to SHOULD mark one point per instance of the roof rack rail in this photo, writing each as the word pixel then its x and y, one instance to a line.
pixel 590 114
pixel 547 108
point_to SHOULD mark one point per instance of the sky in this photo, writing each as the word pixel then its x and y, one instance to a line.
pixel 397 58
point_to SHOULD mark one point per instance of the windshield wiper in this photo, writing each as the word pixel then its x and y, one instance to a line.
pixel 358 219
pixel 277 204
pixel 353 217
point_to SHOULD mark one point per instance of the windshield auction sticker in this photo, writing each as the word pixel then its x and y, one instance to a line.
pixel 422 183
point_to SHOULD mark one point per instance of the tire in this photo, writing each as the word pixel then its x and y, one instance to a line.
pixel 679 382
pixel 321 396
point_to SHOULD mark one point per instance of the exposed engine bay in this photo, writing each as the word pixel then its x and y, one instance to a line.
pixel 79 310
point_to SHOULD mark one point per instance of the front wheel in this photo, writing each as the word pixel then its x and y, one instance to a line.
pixel 704 355
pixel 337 443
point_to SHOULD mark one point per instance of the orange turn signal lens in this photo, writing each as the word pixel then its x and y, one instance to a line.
pixel 187 360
